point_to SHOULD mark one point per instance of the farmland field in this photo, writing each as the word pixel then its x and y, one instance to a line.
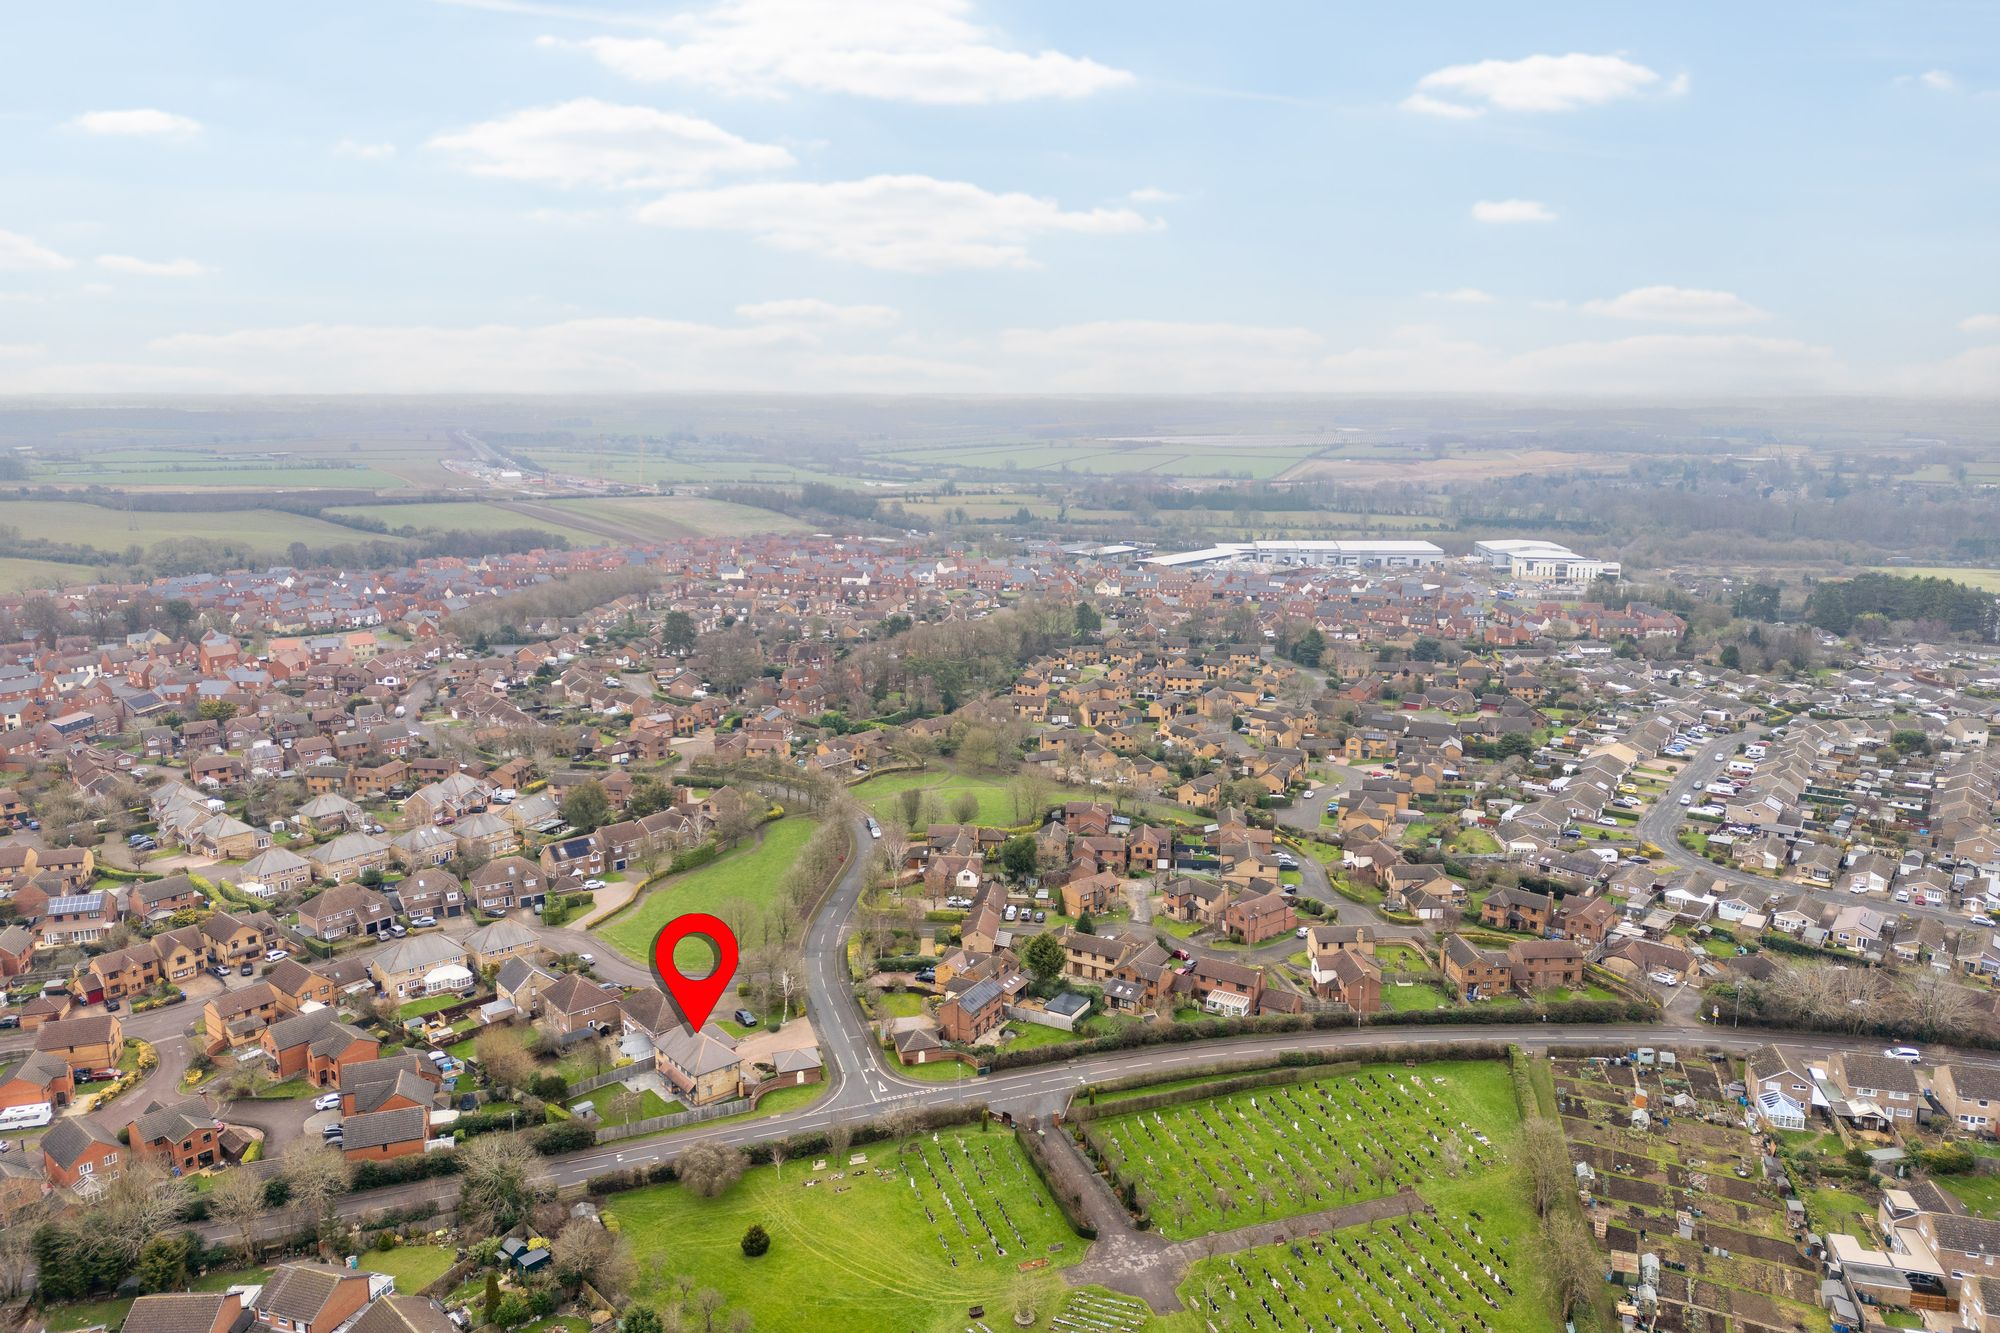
pixel 267 530
pixel 1297 1148
pixel 21 575
pixel 466 516
pixel 752 875
pixel 1986 580
pixel 908 1240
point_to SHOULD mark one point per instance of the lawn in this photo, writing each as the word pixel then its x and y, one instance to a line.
pixel 901 1243
pixel 1420 995
pixel 932 1071
pixel 900 1004
pixel 999 805
pixel 1399 958
pixel 1027 1036
pixel 1980 1194
pixel 413 1266
pixel 604 1100
pixel 428 1005
pixel 1277 1152
pixel 752 874
pixel 1838 1210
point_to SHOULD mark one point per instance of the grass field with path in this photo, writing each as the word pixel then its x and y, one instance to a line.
pixel 995 795
pixel 752 873
pixel 1277 1152
pixel 907 1241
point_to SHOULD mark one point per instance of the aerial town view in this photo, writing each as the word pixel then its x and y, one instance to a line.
pixel 940 666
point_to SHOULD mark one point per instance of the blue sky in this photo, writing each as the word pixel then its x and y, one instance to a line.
pixel 996 195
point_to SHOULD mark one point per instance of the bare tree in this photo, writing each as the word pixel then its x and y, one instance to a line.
pixel 143 1202
pixel 315 1175
pixel 709 1302
pixel 506 1062
pixel 1935 1005
pixel 710 1168
pixel 238 1201
pixel 501 1179
pixel 584 1251
pixel 1546 1161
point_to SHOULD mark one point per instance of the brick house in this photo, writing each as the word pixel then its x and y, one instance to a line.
pixel 1475 974
pixel 345 910
pixel 508 882
pixel 702 1067
pixel 91 1042
pixel 1263 917
pixel 309 1298
pixel 1540 965
pixel 375 1136
pixel 575 1003
pixel 77 1155
pixel 973 1012
pixel 183 1133
pixel 1517 910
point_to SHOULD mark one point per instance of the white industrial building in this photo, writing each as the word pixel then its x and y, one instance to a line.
pixel 1328 554
pixel 1533 560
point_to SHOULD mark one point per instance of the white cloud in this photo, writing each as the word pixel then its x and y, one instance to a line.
pixel 1936 80
pixel 1148 194
pixel 19 351
pixel 1677 305
pixel 141 122
pixel 899 50
pixel 1535 83
pixel 152 268
pixel 1512 210
pixel 588 142
pixel 909 224
pixel 811 310
pixel 20 253
pixel 367 152
pixel 1463 296
pixel 1980 324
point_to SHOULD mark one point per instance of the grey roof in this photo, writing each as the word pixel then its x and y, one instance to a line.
pixel 403 1314
pixel 373 1129
pixel 980 995
pixel 300 1291
pixel 420 953
pixel 178 1312
pixel 69 1138
pixel 174 1121
pixel 407 1083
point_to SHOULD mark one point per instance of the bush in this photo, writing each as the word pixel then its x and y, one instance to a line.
pixel 1947 1159
pixel 510 1311
pixel 756 1242
pixel 386 1241
pixel 550 1087
pixel 569 1136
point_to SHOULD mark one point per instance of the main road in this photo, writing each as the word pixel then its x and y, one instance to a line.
pixel 861 1087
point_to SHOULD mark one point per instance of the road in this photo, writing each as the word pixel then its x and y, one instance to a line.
pixel 861 1087
pixel 1661 822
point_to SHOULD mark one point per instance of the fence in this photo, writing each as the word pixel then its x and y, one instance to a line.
pixel 679 1120
pixel 644 1064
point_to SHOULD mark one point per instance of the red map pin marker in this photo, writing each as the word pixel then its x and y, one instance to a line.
pixel 695 997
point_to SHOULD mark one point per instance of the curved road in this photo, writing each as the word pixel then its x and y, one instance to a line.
pixel 861 1087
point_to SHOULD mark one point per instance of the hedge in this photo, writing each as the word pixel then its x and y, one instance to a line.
pixel 1069 1201
pixel 402 1170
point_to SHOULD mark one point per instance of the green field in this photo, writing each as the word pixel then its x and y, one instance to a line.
pixel 268 530
pixel 1201 457
pixel 651 517
pixel 1986 580
pixel 169 470
pixel 461 516
pixel 1281 1151
pixel 750 875
pixel 1979 1194
pixel 896 1244
pixel 998 806
pixel 23 575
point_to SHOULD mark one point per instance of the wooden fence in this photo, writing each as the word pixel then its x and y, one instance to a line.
pixel 679 1120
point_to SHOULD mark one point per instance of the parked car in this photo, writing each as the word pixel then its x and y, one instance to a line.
pixel 332 1131
pixel 926 974
pixel 424 920
pixel 593 884
pixel 1040 915
pixel 1301 931
pixel 587 958
pixel 745 1018
pixel 276 955
pixel 329 1101
pixel 248 970
pixel 1910 1053
pixel 10 1020
pixel 1666 979
pixel 1608 822
pixel 111 1006
pixel 398 929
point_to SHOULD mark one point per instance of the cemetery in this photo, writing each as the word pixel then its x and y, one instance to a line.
pixel 1666 1167
pixel 1452 1268
pixel 1217 1163
pixel 906 1234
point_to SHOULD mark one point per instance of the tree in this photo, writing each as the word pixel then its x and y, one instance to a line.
pixel 1309 648
pixel 708 1301
pixel 965 807
pixel 710 1168
pixel 584 1251
pixel 641 1319
pixel 501 1178
pixel 1043 955
pixel 756 1242
pixel 238 1201
pixel 215 710
pixel 1547 1163
pixel 1019 856
pixel 911 802
pixel 506 1062
pixel 585 807
pixel 1087 619
pixel 677 633
pixel 163 1262
pixel 142 1203
pixel 1084 925
pixel 1575 1269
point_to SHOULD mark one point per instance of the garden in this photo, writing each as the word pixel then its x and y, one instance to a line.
pixel 905 1235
